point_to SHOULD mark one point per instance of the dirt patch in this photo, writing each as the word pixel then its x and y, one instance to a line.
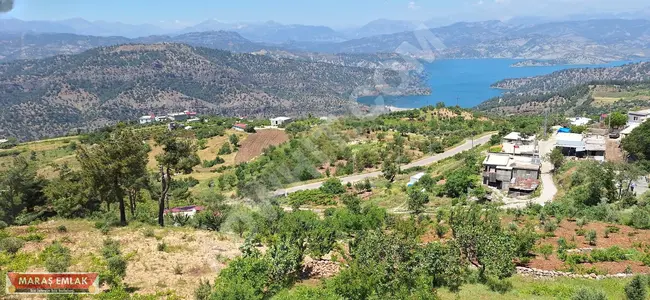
pixel 613 152
pixel 255 144
pixel 626 237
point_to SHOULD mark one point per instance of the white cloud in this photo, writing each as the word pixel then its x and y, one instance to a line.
pixel 501 1
pixel 413 5
pixel 480 2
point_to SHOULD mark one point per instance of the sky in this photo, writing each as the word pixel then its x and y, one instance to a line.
pixel 335 13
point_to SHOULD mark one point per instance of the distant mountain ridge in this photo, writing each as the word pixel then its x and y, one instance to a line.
pixel 103 85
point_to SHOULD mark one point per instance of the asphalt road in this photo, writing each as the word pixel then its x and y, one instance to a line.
pixel 420 163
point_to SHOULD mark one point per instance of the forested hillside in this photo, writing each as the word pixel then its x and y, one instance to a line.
pixel 566 89
pixel 104 85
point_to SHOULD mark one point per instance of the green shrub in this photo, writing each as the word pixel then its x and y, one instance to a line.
pixel 11 245
pixel 148 232
pixel 640 218
pixel 33 237
pixel 57 258
pixel 3 225
pixel 591 237
pixel 581 222
pixel 62 229
pixel 441 230
pixel 332 186
pixel 550 227
pixel 610 254
pixel 581 232
pixel 546 250
pixel 499 285
pixel 203 291
pixel 111 248
pixel 162 247
pixel 588 294
pixel 636 289
pixel 564 245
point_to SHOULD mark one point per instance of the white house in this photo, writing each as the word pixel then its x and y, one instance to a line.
pixel 279 121
pixel 516 138
pixel 579 121
pixel 147 119
pixel 637 117
pixel 2 141
pixel 415 178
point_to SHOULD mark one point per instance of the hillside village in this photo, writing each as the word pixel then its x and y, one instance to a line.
pixel 383 174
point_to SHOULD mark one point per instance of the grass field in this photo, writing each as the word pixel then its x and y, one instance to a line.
pixel 529 288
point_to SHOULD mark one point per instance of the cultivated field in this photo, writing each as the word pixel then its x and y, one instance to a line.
pixel 605 95
pixel 255 144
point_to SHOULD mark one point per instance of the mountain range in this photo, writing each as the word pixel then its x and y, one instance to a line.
pixel 573 41
pixel 104 85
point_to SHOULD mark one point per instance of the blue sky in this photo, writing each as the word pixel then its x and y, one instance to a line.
pixel 336 13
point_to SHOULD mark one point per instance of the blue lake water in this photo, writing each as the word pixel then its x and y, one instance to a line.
pixel 466 82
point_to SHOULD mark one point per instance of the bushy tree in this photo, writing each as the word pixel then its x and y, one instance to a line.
pixel 616 119
pixel 21 191
pixel 178 156
pixel 332 186
pixel 114 166
pixel 234 140
pixel 416 200
pixel 637 288
pixel 479 234
pixel 556 158
pixel 637 143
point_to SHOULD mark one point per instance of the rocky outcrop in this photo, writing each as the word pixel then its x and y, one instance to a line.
pixel 320 269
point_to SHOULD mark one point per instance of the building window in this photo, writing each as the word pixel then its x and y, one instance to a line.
pixel 636 118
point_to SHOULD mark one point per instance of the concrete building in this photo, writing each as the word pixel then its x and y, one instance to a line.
pixel 511 173
pixel 590 146
pixel 638 117
pixel 571 143
pixel 579 121
pixel 595 147
pixel 280 121
pixel 147 119
pixel 517 139
pixel 515 144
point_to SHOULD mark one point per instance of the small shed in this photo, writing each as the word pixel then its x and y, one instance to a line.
pixel 415 178
pixel 280 121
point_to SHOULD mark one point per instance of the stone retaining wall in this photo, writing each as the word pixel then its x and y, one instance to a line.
pixel 544 274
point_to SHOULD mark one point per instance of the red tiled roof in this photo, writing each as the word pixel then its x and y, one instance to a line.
pixel 240 125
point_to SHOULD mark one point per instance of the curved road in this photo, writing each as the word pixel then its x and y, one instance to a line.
pixel 420 163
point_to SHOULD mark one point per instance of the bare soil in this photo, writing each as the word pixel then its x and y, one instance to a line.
pixel 255 144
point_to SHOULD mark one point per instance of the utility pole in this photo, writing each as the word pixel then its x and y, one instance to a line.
pixel 457 100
